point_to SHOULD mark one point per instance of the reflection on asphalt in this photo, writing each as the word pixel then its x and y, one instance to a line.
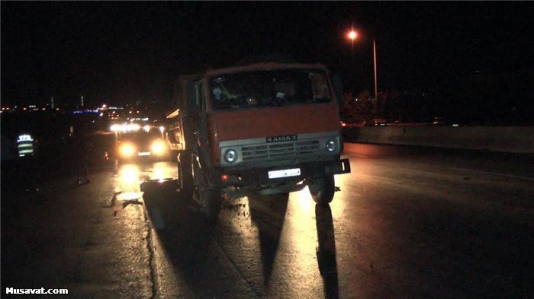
pixel 374 240
pixel 131 175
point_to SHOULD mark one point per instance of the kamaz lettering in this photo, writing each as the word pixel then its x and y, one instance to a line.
pixel 281 138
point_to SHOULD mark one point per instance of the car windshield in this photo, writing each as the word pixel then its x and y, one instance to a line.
pixel 140 137
pixel 269 88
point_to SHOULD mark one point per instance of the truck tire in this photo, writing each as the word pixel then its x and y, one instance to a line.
pixel 207 192
pixel 322 189
pixel 185 172
pixel 210 198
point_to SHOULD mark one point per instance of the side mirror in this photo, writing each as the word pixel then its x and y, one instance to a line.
pixel 191 106
pixel 338 88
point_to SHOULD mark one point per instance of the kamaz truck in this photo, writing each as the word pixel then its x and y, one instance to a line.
pixel 264 128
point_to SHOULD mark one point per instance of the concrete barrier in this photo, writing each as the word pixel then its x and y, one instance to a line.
pixel 499 139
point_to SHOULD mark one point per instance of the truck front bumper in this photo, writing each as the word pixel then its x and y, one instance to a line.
pixel 263 176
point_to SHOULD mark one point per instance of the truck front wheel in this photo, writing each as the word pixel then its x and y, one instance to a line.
pixel 207 192
pixel 322 189
pixel 210 199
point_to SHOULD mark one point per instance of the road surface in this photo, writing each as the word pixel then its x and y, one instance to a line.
pixel 407 222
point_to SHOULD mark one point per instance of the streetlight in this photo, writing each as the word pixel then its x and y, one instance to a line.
pixel 352 35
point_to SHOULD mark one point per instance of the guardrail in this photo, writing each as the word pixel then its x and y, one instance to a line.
pixel 499 139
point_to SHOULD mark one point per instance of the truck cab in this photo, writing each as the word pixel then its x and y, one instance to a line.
pixel 264 128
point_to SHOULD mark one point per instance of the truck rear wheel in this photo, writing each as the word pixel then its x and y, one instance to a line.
pixel 322 189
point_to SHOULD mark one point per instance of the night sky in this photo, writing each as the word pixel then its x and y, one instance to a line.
pixel 117 52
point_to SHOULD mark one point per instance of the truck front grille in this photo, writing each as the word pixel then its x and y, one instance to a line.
pixel 281 151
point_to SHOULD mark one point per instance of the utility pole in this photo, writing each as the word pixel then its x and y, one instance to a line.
pixel 374 60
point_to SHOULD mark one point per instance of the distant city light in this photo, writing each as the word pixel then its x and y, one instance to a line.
pixel 85 111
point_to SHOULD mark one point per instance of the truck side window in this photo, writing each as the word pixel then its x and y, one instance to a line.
pixel 190 96
pixel 338 88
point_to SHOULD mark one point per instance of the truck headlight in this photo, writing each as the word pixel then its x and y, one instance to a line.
pixel 230 156
pixel 330 145
pixel 127 150
pixel 158 147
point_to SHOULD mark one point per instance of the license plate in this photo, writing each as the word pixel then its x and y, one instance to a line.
pixel 273 174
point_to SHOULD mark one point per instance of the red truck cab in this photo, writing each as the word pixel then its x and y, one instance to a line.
pixel 258 129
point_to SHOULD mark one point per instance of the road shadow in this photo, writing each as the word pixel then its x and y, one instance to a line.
pixel 190 243
pixel 326 251
pixel 183 236
pixel 268 214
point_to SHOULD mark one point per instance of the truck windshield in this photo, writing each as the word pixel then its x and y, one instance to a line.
pixel 269 88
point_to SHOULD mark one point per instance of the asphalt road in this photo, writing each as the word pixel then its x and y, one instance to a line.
pixel 406 223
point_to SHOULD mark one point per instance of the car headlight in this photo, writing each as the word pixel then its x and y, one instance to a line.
pixel 127 150
pixel 330 145
pixel 230 156
pixel 158 147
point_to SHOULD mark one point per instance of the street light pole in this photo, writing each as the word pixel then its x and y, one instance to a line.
pixel 374 60
pixel 352 35
pixel 352 50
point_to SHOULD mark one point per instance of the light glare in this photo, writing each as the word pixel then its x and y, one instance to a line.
pixel 352 35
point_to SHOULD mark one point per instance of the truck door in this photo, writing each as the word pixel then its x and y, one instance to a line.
pixel 202 124
pixel 189 115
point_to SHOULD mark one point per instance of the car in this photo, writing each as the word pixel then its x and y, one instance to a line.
pixel 379 122
pixel 439 121
pixel 146 144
